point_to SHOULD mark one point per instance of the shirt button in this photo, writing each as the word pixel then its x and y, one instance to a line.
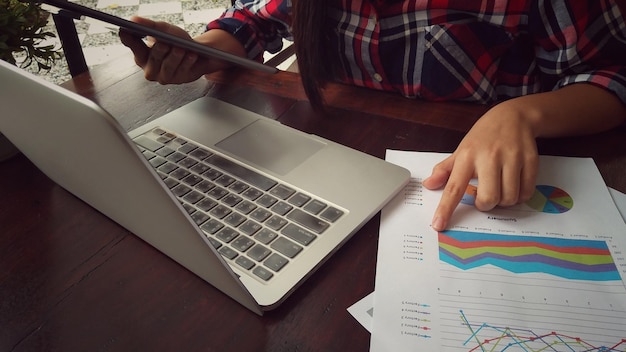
pixel 378 77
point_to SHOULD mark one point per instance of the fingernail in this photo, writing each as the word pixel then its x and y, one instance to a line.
pixel 437 223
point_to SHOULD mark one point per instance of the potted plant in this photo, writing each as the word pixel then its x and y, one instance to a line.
pixel 22 33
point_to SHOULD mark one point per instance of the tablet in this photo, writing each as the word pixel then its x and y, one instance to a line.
pixel 143 31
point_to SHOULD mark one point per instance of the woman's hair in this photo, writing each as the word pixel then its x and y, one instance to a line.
pixel 318 59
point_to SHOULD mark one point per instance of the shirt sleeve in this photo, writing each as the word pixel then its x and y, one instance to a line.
pixel 581 41
pixel 260 25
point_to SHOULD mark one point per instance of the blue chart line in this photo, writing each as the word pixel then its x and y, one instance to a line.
pixel 501 339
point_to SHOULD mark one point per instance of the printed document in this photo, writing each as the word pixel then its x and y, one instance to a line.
pixel 546 275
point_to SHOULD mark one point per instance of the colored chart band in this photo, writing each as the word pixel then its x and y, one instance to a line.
pixel 566 258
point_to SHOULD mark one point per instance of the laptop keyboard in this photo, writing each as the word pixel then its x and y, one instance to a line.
pixel 256 222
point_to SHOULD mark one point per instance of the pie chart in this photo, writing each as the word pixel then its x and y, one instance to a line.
pixel 470 195
pixel 546 199
pixel 550 199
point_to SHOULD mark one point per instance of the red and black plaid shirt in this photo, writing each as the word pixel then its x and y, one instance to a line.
pixel 479 51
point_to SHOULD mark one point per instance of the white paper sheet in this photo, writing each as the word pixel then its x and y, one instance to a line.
pixel 363 310
pixel 523 290
pixel 620 201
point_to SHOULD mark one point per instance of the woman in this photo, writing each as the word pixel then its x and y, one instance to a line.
pixel 548 68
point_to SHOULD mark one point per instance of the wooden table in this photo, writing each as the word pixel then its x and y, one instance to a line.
pixel 73 280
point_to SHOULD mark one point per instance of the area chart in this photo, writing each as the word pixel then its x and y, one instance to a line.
pixel 566 258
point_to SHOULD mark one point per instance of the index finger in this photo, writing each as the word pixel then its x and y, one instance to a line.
pixel 452 194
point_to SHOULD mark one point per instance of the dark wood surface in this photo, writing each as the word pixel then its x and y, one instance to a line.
pixel 73 280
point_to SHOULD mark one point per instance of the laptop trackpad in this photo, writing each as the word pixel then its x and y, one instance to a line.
pixel 270 146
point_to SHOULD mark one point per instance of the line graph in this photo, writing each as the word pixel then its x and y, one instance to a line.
pixel 503 338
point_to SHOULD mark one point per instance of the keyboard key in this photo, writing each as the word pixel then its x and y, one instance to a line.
pixel 212 174
pixel 220 211
pixel 298 234
pixel 276 223
pixel 186 148
pixel 164 151
pixel 179 173
pixel 286 247
pixel 170 182
pixel 314 206
pixel 252 193
pixel 275 262
pixel 199 217
pixel 192 179
pixel 262 273
pixel 189 209
pixel 148 143
pixel 180 190
pixel 224 180
pixel 217 192
pixel 206 204
pixel 249 227
pixel 245 262
pixel 234 219
pixel 200 153
pixel 282 192
pixel 228 252
pixel 226 234
pixel 238 187
pixel 187 163
pixel 146 153
pixel 211 226
pixel 242 243
pixel 258 252
pixel 331 214
pixel 193 197
pixel 180 141
pixel 307 220
pixel 204 186
pixel 281 208
pixel 215 243
pixel 265 236
pixel 299 199
pixel 245 207
pixel 260 214
pixel 157 161
pixel 176 157
pixel 231 200
pixel 199 168
pixel 266 201
pixel 167 167
pixel 241 172
pixel 166 137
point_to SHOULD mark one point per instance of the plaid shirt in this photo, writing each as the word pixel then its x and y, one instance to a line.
pixel 479 51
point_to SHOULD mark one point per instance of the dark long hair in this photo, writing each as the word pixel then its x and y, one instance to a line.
pixel 317 57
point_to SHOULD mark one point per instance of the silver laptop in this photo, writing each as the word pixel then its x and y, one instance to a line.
pixel 249 205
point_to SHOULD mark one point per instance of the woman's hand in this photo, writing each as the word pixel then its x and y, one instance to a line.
pixel 501 152
pixel 168 64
